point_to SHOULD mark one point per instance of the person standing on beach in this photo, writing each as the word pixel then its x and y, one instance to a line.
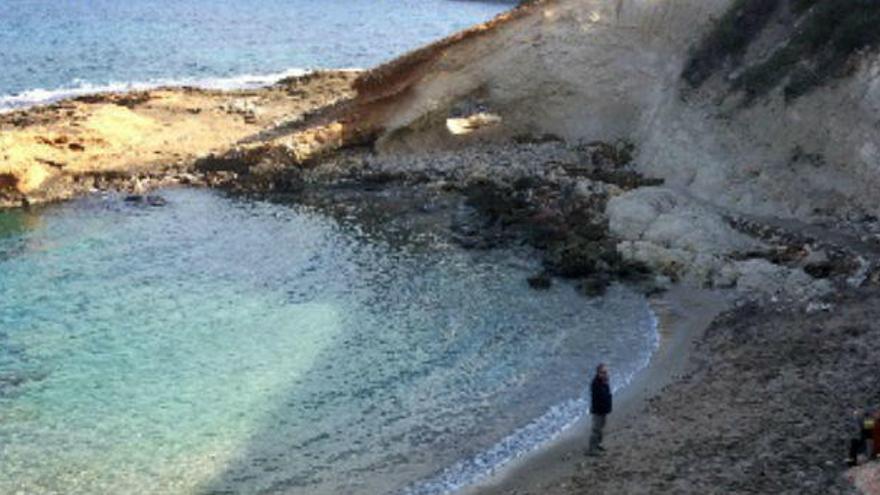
pixel 600 407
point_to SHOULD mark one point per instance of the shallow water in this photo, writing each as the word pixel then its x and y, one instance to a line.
pixel 221 345
pixel 50 49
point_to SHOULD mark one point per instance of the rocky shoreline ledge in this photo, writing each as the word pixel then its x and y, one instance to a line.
pixel 143 140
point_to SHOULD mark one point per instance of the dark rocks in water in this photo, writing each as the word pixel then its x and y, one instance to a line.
pixel 568 226
pixel 382 177
pixel 540 281
pixel 151 200
pixel 580 258
pixel 12 382
pixel 156 201
pixel 545 227
pixel 633 271
pixel 494 200
pixel 819 269
pixel 554 202
pixel 483 240
pixel 595 285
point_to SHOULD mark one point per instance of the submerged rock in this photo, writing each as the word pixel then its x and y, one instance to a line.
pixel 595 285
pixel 156 201
pixel 12 382
pixel 540 281
pixel 150 200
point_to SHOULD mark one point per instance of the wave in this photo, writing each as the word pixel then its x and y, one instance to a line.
pixel 529 438
pixel 41 96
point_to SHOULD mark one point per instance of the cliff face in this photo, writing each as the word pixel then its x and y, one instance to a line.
pixel 613 69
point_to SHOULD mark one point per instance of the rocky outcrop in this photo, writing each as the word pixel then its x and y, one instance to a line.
pixel 603 71
pixel 110 140
pixel 600 70
pixel 675 234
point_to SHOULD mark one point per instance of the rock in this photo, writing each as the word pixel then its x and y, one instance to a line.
pixel 676 236
pixel 188 179
pixel 666 218
pixel 594 286
pixel 578 258
pixel 762 277
pixel 819 269
pixel 540 281
pixel 817 306
pixel 861 274
pixel 156 201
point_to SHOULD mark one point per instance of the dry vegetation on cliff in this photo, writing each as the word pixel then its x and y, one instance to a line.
pixel 826 36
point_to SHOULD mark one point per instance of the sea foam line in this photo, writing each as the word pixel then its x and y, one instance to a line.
pixel 39 96
pixel 538 433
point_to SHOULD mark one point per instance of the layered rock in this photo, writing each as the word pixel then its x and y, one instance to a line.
pixel 75 146
pixel 597 70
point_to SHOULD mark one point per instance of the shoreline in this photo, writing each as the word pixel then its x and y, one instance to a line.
pixel 678 327
pixel 138 140
pixel 690 414
pixel 35 98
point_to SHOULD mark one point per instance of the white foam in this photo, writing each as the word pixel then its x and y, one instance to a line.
pixel 41 96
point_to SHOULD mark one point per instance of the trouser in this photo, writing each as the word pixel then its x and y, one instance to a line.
pixel 856 447
pixel 596 434
pixel 861 445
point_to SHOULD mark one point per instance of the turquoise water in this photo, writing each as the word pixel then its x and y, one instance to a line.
pixel 221 345
pixel 50 49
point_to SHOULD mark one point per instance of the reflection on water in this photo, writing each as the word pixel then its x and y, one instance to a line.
pixel 14 223
pixel 234 346
pixel 18 221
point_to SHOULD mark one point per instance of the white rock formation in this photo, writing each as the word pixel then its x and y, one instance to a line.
pixel 606 69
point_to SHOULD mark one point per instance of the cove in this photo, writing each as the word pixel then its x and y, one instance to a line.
pixel 228 345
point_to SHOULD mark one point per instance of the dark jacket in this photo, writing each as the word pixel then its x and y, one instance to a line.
pixel 600 393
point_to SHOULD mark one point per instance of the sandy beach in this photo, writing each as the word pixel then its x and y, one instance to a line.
pixel 759 404
pixel 683 316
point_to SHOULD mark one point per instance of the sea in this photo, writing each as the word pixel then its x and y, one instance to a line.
pixel 51 49
pixel 223 344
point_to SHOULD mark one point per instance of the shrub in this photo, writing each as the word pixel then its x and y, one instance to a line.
pixel 821 49
pixel 729 39
pixel 826 35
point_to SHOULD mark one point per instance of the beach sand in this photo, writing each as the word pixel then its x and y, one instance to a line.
pixel 760 402
pixel 683 315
